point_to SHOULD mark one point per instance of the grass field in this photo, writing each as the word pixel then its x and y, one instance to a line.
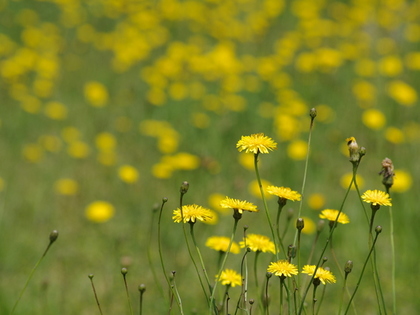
pixel 107 106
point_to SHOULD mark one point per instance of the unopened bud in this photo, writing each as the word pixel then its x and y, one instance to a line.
pixel 300 224
pixel 124 271
pixel 353 149
pixel 184 187
pixel 53 236
pixel 348 267
pixel 312 113
pixel 142 288
pixel 378 229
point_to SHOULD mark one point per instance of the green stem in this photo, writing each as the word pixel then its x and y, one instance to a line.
pixel 361 274
pixel 149 255
pixel 200 257
pixel 211 307
pixel 394 294
pixel 265 204
pixel 279 211
pixel 332 229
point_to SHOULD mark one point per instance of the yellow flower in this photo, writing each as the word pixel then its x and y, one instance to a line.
pixel 56 110
pixel 105 141
pixel 377 197
pixel 230 277
pixel 310 226
pixel 192 213
pixel 128 174
pixel 316 201
pixel 99 211
pixel 221 243
pixel 284 193
pixel 402 181
pixel 331 215
pixel 240 205
pixel 96 94
pixel 258 243
pixel 66 186
pixel 282 268
pixel 297 150
pixel 256 143
pixel 402 93
pixel 324 275
pixel 373 119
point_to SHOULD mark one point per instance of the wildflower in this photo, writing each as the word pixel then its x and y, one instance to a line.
pixel 128 174
pixel 297 150
pixel 331 215
pixel 230 277
pixel 387 172
pixel 284 193
pixel 99 211
pixel 353 149
pixel 377 198
pixel 282 268
pixel 373 119
pixel 191 213
pixel 239 205
pixel 258 243
pixel 66 186
pixel 316 201
pixel 96 93
pixel 403 181
pixel 256 143
pixel 324 275
pixel 221 243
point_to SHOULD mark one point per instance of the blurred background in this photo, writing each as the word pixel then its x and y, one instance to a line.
pixel 107 106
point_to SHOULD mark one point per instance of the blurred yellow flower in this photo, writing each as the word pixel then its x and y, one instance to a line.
pixel 390 66
pixel 70 134
pixel 364 91
pixel 325 113
pixel 402 93
pixel 105 141
pixel 182 161
pixel 30 104
pixel 254 187
pixel 365 67
pixel 214 202
pixel 200 120
pixel 128 174
pixel 221 243
pixel 394 135
pixel 1 184
pixel 78 149
pixel 256 143
pixel 373 119
pixel 55 110
pixel 412 60
pixel 168 141
pixel 316 201
pixel 33 152
pixel 50 143
pixel 107 158
pixel 309 227
pixel 297 150
pixel 346 179
pixel 66 186
pixel 246 160
pixel 229 277
pixel 162 170
pixel 99 211
pixel 96 93
pixel 402 181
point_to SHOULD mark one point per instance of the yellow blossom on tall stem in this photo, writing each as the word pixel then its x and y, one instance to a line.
pixel 256 143
pixel 334 216
pixel 282 268
pixel 229 277
pixel 258 243
pixel 324 275
pixel 221 244
pixel 377 198
pixel 192 213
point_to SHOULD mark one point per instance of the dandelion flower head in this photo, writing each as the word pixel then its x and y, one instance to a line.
pixel 284 193
pixel 331 215
pixel 258 243
pixel 282 268
pixel 230 277
pixel 192 213
pixel 377 197
pixel 324 275
pixel 221 244
pixel 256 143
pixel 240 205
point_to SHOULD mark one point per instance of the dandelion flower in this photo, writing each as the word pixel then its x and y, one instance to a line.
pixel 258 243
pixel 99 211
pixel 282 268
pixel 331 215
pixel 221 244
pixel 191 213
pixel 324 275
pixel 256 143
pixel 230 277
pixel 377 197
pixel 239 205
pixel 284 193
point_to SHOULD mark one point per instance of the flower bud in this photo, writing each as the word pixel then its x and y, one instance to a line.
pixel 353 149
pixel 142 288
pixel 312 113
pixel 378 229
pixel 348 267
pixel 184 187
pixel 53 236
pixel 124 271
pixel 300 224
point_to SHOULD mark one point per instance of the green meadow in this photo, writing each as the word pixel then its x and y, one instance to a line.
pixel 107 107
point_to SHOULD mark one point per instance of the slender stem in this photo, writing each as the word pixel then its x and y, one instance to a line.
pixel 355 166
pixel 149 255
pixel 281 295
pixel 162 263
pixel 257 173
pixel 53 238
pixel 394 294
pixel 124 273
pixel 94 293
pixel 211 307
pixel 279 211
pixel 201 258
pixel 361 274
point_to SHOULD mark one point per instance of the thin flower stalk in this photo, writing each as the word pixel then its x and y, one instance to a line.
pixel 378 230
pixel 200 257
pixel 178 297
